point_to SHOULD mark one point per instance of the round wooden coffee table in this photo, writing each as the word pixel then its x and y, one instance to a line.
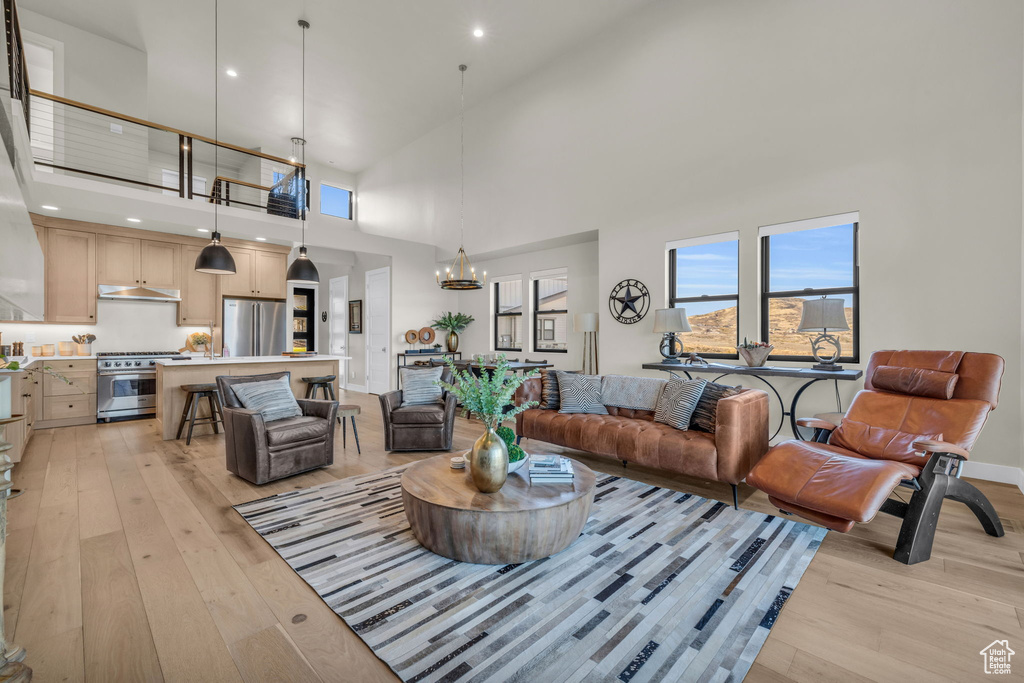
pixel 520 522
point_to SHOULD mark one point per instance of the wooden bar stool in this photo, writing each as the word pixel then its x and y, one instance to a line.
pixel 349 412
pixel 194 394
pixel 326 388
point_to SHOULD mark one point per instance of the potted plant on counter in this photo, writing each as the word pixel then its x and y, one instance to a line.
pixel 453 324
pixel 487 395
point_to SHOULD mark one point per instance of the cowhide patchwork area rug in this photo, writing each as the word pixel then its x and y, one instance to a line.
pixel 661 586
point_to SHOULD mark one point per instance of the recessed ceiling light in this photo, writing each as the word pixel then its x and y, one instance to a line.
pixel 134 220
pixel 49 207
pixel 202 230
pixel 261 239
pixel 478 32
pixel 232 73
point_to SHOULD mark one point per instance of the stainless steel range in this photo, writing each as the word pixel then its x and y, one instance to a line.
pixel 126 383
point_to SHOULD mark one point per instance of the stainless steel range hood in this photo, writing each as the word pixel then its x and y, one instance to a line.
pixel 136 293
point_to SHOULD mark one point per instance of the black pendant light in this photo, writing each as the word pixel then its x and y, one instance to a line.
pixel 302 271
pixel 215 259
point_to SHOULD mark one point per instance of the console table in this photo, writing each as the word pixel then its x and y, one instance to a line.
pixel 400 360
pixel 763 372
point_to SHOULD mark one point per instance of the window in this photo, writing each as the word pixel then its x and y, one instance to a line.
pixel 704 279
pixel 551 313
pixel 508 315
pixel 335 201
pixel 804 260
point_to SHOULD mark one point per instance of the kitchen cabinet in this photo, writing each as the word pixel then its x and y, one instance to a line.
pixel 199 295
pixel 271 271
pixel 243 282
pixel 129 260
pixel 72 402
pixel 70 276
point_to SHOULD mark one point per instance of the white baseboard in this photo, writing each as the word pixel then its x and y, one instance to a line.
pixel 1004 474
pixel 361 388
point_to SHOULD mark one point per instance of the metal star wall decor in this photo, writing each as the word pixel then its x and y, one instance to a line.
pixel 629 301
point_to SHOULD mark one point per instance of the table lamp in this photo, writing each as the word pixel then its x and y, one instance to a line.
pixel 670 322
pixel 822 315
pixel 587 324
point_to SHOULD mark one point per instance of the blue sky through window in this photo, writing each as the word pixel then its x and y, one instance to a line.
pixel 817 259
pixel 335 201
pixel 707 269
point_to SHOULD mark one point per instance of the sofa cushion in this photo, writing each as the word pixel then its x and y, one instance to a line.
pixel 549 389
pixel 705 415
pixel 678 401
pixel 419 386
pixel 427 414
pixel 580 394
pixel 292 430
pixel 636 393
pixel 272 398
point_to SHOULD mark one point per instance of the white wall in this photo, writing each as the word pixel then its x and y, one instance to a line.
pixel 121 326
pixel 691 118
pixel 580 260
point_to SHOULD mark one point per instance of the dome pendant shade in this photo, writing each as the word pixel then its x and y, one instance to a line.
pixel 302 271
pixel 215 259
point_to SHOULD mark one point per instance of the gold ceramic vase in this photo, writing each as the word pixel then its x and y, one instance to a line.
pixel 488 462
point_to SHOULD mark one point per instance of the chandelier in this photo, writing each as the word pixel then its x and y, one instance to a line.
pixel 461 274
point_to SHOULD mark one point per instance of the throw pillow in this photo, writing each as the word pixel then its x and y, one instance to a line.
pixel 549 388
pixel 580 394
pixel 705 415
pixel 419 387
pixel 272 398
pixel 677 402
pixel 636 393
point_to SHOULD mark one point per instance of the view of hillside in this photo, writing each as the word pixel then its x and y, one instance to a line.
pixel 715 332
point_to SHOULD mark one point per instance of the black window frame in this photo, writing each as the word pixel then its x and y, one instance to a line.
pixel 498 314
pixel 854 291
pixel 351 201
pixel 682 301
pixel 309 315
pixel 537 312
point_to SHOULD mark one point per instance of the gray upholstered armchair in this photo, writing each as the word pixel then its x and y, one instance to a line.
pixel 418 428
pixel 260 451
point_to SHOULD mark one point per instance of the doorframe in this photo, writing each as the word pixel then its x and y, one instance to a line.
pixel 386 270
pixel 342 283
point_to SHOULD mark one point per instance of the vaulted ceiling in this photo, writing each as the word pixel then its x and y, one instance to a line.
pixel 380 73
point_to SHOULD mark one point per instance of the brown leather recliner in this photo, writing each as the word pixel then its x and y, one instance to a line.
pixel 262 452
pixel 428 427
pixel 914 425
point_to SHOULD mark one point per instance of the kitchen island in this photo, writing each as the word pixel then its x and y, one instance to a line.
pixel 171 374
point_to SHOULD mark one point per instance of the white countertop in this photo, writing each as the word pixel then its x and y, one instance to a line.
pixel 25 361
pixel 236 360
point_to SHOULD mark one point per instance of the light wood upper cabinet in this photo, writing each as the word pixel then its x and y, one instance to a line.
pixel 70 276
pixel 161 264
pixel 243 282
pixel 117 260
pixel 199 297
pixel 271 270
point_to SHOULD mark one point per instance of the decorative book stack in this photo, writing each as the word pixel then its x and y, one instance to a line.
pixel 550 469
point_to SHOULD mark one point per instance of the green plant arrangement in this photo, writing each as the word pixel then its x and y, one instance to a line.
pixel 515 453
pixel 199 338
pixel 453 324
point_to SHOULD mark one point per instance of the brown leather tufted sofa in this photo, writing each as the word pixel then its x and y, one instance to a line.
pixel 739 441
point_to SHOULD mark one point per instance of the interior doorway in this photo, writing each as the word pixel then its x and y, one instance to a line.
pixel 338 324
pixel 378 330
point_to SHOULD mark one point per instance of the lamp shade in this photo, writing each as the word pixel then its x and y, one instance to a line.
pixel 823 314
pixel 671 320
pixel 585 322
pixel 215 259
pixel 302 271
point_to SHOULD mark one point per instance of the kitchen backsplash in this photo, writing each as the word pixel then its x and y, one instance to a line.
pixel 121 326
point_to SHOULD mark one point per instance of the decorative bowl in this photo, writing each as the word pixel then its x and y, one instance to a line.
pixel 755 356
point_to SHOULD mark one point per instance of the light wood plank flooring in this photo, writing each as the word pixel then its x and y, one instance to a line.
pixel 125 562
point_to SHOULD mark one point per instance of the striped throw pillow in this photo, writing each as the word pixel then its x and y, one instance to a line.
pixel 678 401
pixel 272 398
pixel 419 387
pixel 705 415
pixel 549 388
pixel 580 394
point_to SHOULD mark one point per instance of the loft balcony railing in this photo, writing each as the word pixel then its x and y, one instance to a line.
pixel 74 138
pixel 17 67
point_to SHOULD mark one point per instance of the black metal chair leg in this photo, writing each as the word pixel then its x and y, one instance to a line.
pixel 191 420
pixel 735 496
pixel 970 496
pixel 355 433
pixel 344 435
pixel 213 413
pixel 184 414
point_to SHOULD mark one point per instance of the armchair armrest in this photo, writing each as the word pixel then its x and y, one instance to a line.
pixel 391 401
pixel 816 423
pixel 935 446
pixel 245 443
pixel 741 433
pixel 318 408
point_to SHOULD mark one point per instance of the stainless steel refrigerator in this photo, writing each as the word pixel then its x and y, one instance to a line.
pixel 255 328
